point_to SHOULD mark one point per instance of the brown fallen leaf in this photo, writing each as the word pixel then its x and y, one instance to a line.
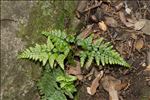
pixel 147 68
pixel 92 89
pixel 134 36
pixel 147 71
pixel 119 6
pixel 124 21
pixel 131 20
pixel 110 21
pixel 102 26
pixel 146 28
pixel 139 24
pixel 139 44
pixel 86 32
pixel 80 8
pixel 112 86
pixel 75 70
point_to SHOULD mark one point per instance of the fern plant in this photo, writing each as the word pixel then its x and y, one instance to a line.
pixel 56 49
pixel 49 85
pixel 55 84
pixel 100 51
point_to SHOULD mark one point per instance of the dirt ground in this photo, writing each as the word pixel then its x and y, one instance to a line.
pixel 133 44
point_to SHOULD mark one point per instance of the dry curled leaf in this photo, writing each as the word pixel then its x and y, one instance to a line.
pixel 139 44
pixel 110 21
pixel 95 83
pixel 139 24
pixel 124 21
pixel 102 26
pixel 112 86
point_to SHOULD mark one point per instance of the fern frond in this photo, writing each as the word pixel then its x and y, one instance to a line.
pixel 48 87
pixel 83 57
pixel 56 49
pixel 61 35
pixel 90 59
pixel 39 52
pixel 55 33
pixel 100 51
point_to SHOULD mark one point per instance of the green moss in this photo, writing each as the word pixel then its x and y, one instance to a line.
pixel 45 16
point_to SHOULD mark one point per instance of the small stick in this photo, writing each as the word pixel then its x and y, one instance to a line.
pixel 5 19
pixel 92 7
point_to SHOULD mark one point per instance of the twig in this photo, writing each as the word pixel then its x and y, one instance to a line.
pixel 5 19
pixel 92 7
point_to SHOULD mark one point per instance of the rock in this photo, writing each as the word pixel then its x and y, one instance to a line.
pixel 16 83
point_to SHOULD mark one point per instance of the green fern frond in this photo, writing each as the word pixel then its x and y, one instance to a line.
pixel 56 49
pixel 49 88
pixel 39 52
pixel 61 35
pixel 100 51
pixel 83 57
pixel 55 33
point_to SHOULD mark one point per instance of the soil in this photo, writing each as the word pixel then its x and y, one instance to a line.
pixel 124 40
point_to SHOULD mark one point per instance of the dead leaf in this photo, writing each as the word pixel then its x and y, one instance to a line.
pixel 102 26
pixel 112 86
pixel 95 83
pixel 139 44
pixel 130 20
pixel 147 68
pixel 75 70
pixel 80 77
pixel 124 21
pixel 82 5
pixel 119 6
pixel 110 21
pixel 86 32
pixel 128 10
pixel 139 24
pixel 122 17
pixel 134 36
pixel 147 71
pixel 146 28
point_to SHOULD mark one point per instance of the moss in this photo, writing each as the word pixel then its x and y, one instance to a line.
pixel 48 15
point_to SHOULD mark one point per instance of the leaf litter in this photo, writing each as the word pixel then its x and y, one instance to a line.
pixel 117 18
